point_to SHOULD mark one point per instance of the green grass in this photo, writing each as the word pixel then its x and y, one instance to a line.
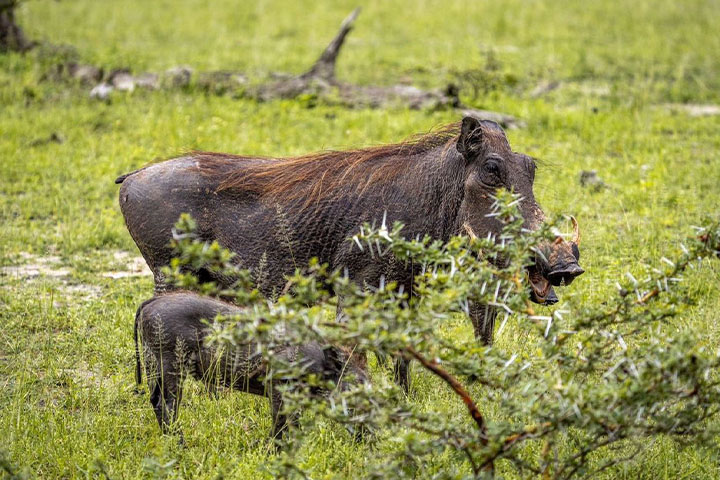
pixel 67 406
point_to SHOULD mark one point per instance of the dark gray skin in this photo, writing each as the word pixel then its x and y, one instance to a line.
pixel 174 326
pixel 443 191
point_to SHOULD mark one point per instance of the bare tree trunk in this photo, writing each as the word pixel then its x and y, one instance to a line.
pixel 12 37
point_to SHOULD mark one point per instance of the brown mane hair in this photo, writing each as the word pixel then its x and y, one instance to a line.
pixel 315 176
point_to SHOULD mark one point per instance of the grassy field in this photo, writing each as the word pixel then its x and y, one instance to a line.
pixel 68 294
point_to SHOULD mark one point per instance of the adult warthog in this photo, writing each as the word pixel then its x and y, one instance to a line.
pixel 276 214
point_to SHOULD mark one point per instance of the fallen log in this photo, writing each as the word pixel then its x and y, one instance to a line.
pixel 320 81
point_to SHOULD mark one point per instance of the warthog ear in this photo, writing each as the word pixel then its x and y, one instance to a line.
pixel 468 140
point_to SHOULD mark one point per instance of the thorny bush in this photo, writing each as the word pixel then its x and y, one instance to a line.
pixel 591 387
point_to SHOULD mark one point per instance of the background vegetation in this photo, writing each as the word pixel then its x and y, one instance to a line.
pixel 67 407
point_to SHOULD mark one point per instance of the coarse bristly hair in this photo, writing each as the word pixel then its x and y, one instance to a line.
pixel 316 176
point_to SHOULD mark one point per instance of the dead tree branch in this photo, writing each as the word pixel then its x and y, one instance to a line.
pixel 325 65
pixel 320 81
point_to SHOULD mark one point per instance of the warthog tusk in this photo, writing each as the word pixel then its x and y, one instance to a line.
pixel 576 231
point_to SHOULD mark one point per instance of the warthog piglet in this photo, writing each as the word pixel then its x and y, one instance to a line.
pixel 174 328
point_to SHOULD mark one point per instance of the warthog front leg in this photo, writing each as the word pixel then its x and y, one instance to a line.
pixel 281 421
pixel 483 320
pixel 401 373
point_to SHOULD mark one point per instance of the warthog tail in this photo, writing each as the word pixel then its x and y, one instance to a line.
pixel 122 177
pixel 138 370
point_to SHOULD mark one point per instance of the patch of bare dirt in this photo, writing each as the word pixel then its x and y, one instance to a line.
pixel 32 267
pixel 695 109
pixel 82 291
pixel 133 266
pixel 49 266
pixel 81 374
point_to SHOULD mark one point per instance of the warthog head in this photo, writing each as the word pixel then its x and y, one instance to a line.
pixel 491 165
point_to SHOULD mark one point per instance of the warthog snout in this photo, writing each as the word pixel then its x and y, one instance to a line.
pixel 551 298
pixel 564 257
pixel 559 260
pixel 565 275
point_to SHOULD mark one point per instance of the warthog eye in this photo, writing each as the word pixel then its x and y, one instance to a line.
pixel 492 172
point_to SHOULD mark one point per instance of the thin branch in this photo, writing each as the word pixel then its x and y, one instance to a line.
pixel 457 387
